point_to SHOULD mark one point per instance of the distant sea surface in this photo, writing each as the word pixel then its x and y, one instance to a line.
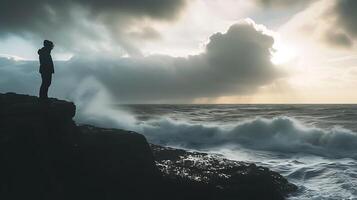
pixel 313 146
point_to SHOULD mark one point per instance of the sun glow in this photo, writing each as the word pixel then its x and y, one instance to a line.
pixel 283 54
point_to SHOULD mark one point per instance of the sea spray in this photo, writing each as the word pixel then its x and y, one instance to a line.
pixel 94 106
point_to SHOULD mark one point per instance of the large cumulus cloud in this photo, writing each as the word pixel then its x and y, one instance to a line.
pixel 72 23
pixel 234 63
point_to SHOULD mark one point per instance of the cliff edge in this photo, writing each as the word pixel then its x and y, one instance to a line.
pixel 45 155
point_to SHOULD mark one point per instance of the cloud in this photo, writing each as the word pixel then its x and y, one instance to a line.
pixel 347 16
pixel 75 23
pixel 145 33
pixel 234 63
pixel 330 22
pixel 341 18
pixel 282 3
pixel 338 39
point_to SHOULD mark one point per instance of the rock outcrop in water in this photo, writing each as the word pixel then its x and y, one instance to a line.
pixel 238 179
pixel 45 155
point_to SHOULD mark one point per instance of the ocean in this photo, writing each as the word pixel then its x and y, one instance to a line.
pixel 313 146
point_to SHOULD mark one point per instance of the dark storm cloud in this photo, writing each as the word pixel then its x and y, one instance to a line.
pixel 18 14
pixel 160 9
pixel 66 20
pixel 234 63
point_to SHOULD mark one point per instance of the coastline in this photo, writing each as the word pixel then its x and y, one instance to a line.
pixel 47 155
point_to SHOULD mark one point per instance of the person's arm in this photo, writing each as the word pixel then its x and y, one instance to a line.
pixel 50 64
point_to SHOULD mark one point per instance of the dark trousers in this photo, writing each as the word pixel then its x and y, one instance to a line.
pixel 46 82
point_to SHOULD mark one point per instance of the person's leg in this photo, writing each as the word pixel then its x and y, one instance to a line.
pixel 42 88
pixel 46 82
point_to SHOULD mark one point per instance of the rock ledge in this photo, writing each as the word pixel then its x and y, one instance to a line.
pixel 45 155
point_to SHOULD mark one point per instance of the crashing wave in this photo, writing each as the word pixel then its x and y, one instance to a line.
pixel 283 134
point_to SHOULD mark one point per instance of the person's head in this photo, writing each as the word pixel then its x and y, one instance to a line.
pixel 48 44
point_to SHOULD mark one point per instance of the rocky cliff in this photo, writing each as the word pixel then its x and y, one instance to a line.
pixel 45 155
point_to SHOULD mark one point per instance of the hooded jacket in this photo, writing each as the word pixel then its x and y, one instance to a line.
pixel 46 63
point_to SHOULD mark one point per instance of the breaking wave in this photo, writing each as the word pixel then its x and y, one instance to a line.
pixel 281 134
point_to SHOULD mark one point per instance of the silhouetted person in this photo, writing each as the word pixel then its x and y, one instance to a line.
pixel 46 67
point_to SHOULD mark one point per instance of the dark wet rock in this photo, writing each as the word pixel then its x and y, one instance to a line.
pixel 45 155
pixel 232 178
pixel 12 104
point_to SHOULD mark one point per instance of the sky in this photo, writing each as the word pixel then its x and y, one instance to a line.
pixel 184 51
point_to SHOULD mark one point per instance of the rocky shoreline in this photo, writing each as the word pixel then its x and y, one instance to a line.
pixel 45 155
pixel 217 171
